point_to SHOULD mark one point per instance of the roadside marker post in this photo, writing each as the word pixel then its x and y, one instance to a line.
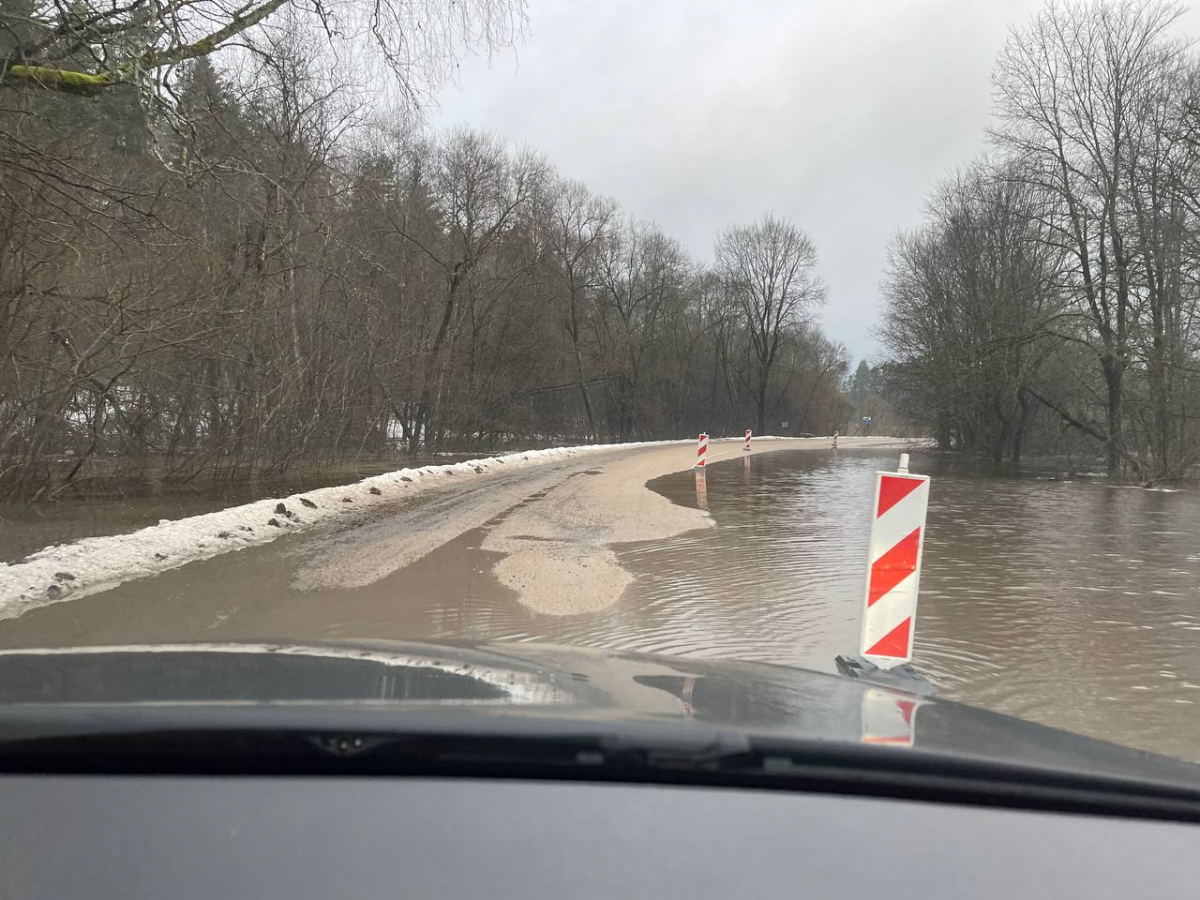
pixel 701 489
pixel 701 450
pixel 894 566
pixel 893 578
pixel 748 435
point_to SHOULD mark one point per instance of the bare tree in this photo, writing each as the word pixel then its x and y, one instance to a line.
pixel 771 269
pixel 972 306
pixel 1058 288
pixel 299 289
pixel 641 271
pixel 88 47
pixel 1073 88
pixel 579 223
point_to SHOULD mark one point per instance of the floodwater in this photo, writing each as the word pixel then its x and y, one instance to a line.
pixel 89 508
pixel 1071 602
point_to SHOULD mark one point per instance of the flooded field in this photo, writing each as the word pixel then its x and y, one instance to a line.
pixel 113 506
pixel 1070 602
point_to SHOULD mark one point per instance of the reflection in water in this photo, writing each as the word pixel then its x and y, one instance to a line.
pixel 889 718
pixel 114 506
pixel 1071 603
pixel 778 581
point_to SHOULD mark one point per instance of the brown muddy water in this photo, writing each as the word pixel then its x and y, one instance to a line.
pixel 1074 603
pixel 90 508
pixel 1070 602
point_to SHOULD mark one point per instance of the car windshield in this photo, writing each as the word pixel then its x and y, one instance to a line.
pixel 732 336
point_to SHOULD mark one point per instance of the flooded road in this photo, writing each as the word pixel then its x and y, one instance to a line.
pixel 1071 603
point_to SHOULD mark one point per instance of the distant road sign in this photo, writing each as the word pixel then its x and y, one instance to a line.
pixel 866 420
pixel 784 424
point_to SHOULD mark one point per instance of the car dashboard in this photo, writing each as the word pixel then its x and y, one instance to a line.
pixel 131 837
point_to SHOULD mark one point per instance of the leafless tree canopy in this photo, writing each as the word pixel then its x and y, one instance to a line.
pixel 290 279
pixel 1055 286
pixel 770 270
pixel 90 46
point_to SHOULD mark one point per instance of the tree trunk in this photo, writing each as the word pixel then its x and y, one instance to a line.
pixel 587 400
pixel 1159 394
pixel 762 402
pixel 1113 373
pixel 1022 423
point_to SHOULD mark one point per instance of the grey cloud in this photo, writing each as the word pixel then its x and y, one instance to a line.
pixel 702 114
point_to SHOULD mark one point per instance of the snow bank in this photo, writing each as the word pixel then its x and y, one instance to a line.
pixel 90 565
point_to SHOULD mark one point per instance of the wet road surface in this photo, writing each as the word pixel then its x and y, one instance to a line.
pixel 1071 603
pixel 1074 603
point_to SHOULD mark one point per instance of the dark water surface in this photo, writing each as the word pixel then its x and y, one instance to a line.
pixel 116 506
pixel 1074 603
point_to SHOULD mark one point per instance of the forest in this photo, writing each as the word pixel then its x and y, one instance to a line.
pixel 1051 299
pixel 231 245
pixel 224 265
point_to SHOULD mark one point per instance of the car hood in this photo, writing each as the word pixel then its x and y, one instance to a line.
pixel 552 683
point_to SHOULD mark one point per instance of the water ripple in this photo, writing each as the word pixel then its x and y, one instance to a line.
pixel 1062 602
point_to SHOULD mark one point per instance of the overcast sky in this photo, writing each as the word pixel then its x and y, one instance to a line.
pixel 838 114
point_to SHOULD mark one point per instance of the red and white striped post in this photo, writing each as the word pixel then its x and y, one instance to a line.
pixel 701 450
pixel 894 566
pixel 748 434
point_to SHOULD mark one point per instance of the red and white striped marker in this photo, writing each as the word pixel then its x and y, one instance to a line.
pixel 701 450
pixel 748 434
pixel 701 489
pixel 894 566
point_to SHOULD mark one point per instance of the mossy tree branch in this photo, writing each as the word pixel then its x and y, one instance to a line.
pixel 87 84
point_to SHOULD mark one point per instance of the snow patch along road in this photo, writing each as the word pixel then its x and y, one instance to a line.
pixel 88 566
